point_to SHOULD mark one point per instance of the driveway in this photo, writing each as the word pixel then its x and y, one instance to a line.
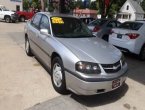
pixel 25 84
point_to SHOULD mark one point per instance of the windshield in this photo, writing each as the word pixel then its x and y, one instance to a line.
pixel 98 22
pixel 68 27
pixel 4 8
pixel 131 25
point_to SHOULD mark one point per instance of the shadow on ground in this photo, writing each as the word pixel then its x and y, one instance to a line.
pixel 101 99
pixel 136 68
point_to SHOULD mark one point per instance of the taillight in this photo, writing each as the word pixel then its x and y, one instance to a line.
pixel 111 31
pixel 132 35
pixel 96 29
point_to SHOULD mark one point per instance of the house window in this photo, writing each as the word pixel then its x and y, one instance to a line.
pixel 127 8
pixel 119 16
pixel 125 16
pixel 129 16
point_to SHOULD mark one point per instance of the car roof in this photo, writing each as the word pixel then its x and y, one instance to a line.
pixel 136 22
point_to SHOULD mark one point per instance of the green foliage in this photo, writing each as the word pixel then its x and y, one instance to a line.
pixel 26 4
pixel 50 7
pixel 143 5
pixel 33 4
pixel 79 4
pixel 112 9
pixel 93 5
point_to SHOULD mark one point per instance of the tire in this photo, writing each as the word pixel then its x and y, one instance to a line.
pixel 27 47
pixel 58 76
pixel 142 53
pixel 22 19
pixel 105 37
pixel 7 19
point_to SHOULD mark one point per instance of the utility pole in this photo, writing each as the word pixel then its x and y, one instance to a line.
pixel 42 5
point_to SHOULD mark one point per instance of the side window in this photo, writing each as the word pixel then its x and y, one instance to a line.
pixel 118 23
pixel 127 8
pixel 44 24
pixel 36 20
pixel 111 24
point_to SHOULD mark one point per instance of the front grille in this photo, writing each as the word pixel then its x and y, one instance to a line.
pixel 112 68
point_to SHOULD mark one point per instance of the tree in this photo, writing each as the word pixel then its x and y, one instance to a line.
pixel 42 5
pixel 109 7
pixel 26 4
pixel 143 5
pixel 104 7
pixel 79 4
pixel 93 5
pixel 66 6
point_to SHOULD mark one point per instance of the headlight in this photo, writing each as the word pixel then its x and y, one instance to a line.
pixel 87 67
pixel 122 60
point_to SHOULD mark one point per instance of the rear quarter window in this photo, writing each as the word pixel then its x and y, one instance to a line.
pixel 131 25
pixel 98 22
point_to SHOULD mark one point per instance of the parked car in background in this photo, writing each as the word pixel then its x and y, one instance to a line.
pixel 79 61
pixel 102 27
pixel 25 15
pixel 130 37
pixel 7 15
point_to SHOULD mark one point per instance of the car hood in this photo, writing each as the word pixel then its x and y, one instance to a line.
pixel 9 12
pixel 92 49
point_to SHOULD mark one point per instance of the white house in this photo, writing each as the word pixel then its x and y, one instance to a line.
pixel 130 11
pixel 15 5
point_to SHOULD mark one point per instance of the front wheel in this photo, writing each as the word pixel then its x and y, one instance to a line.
pixel 105 37
pixel 58 76
pixel 22 19
pixel 142 53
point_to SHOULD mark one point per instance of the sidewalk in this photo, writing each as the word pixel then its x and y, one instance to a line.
pixel 23 81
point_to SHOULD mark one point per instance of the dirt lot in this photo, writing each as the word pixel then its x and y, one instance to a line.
pixel 24 82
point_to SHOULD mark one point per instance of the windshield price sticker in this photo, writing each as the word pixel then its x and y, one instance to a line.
pixel 57 20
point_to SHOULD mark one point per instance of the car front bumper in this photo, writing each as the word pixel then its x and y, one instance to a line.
pixel 82 87
pixel 14 17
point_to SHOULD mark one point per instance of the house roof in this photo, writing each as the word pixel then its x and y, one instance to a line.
pixel 85 11
pixel 136 6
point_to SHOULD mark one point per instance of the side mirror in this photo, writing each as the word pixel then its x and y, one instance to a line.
pixel 45 32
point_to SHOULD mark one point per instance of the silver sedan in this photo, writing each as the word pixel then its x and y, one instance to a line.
pixel 78 61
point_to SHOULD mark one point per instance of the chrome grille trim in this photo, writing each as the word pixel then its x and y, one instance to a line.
pixel 112 68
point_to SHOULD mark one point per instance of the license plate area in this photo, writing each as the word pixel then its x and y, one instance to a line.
pixel 115 83
pixel 119 36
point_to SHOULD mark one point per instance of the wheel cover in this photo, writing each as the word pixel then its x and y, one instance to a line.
pixel 57 75
pixel 27 46
pixel 7 19
pixel 22 19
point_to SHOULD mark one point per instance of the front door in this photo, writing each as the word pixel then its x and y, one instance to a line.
pixel 1 14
